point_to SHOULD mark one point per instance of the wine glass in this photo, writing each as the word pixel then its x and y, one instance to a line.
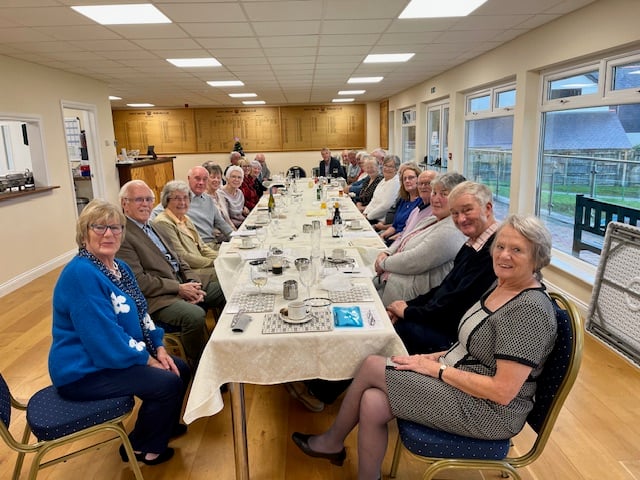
pixel 258 276
pixel 306 271
pixel 261 235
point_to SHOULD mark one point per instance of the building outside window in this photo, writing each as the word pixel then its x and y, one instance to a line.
pixel 408 136
pixel 590 146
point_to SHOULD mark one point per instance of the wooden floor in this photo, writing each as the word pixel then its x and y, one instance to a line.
pixel 596 437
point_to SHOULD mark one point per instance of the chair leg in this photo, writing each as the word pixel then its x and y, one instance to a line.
pixel 20 460
pixel 396 458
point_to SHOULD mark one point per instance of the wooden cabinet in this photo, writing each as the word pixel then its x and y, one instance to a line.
pixel 155 173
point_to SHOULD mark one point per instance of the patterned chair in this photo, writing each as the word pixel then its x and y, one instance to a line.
pixel 56 422
pixel 448 451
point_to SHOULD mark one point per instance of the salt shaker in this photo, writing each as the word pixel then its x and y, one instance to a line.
pixel 290 290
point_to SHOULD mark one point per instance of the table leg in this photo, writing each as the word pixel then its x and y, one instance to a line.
pixel 239 423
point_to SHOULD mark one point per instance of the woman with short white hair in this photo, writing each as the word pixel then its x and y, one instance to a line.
pixel 234 196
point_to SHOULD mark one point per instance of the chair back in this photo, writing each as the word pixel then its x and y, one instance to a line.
pixel 558 375
pixel 296 168
pixel 5 402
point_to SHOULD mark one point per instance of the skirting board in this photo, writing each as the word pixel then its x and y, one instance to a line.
pixel 30 275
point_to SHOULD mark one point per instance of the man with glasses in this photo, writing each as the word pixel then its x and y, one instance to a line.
pixel 174 293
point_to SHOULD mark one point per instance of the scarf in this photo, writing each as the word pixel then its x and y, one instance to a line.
pixel 127 283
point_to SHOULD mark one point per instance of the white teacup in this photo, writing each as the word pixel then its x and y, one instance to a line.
pixel 247 242
pixel 297 310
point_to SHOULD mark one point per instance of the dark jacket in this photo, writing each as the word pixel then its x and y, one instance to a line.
pixel 335 169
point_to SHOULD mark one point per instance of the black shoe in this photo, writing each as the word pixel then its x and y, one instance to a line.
pixel 140 457
pixel 179 430
pixel 302 441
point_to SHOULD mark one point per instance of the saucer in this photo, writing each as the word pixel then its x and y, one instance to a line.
pixel 247 247
pixel 285 318
pixel 359 227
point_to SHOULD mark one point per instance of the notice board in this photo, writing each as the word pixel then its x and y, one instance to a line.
pixel 260 129
pixel 169 130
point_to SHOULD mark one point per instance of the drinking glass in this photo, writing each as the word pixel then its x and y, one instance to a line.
pixel 306 271
pixel 261 235
pixel 258 277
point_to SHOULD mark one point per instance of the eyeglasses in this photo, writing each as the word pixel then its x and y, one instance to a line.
pixel 424 184
pixel 141 199
pixel 389 167
pixel 102 229
pixel 180 199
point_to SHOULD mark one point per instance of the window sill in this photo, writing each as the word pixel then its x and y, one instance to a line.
pixel 22 193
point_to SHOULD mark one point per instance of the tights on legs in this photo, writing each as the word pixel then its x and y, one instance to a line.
pixel 366 403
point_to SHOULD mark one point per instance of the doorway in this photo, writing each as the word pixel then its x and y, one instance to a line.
pixel 82 152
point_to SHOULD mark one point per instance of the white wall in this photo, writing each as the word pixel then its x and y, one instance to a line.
pixel 39 230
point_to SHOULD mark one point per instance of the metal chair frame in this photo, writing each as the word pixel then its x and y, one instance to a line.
pixel 42 447
pixel 508 465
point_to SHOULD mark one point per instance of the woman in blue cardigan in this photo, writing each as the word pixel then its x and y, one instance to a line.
pixel 104 342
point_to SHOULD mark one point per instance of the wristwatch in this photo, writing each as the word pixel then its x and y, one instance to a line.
pixel 443 367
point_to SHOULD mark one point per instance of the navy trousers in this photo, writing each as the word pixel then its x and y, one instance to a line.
pixel 162 393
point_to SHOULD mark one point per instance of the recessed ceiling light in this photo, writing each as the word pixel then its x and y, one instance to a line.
pixel 226 83
pixel 254 102
pixel 242 95
pixel 365 79
pixel 342 100
pixel 438 8
pixel 388 57
pixel 351 92
pixel 123 14
pixel 140 105
pixel 194 62
pixel 113 97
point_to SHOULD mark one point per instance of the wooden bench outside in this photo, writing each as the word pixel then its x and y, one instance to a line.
pixel 593 216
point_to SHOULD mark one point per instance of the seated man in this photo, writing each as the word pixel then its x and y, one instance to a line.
pixel 330 166
pixel 429 322
pixel 203 212
pixel 174 293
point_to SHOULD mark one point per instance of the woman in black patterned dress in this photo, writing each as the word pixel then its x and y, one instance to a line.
pixel 483 386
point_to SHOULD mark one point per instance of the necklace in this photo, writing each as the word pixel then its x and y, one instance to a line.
pixel 115 270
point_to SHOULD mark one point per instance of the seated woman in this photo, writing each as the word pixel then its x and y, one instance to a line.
pixel 105 344
pixel 248 186
pixel 213 190
pixel 408 199
pixel 369 184
pixel 482 387
pixel 422 257
pixel 233 196
pixel 386 192
pixel 256 172
pixel 176 227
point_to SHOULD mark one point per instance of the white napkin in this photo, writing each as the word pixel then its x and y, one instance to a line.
pixel 336 281
pixel 273 286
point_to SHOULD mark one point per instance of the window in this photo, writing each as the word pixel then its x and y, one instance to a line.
pixel 408 136
pixel 21 147
pixel 437 136
pixel 488 141
pixel 593 150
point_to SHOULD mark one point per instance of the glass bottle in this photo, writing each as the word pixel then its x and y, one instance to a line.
pixel 271 204
pixel 336 226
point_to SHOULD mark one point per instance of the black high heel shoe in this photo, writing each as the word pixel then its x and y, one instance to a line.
pixel 302 441
pixel 140 457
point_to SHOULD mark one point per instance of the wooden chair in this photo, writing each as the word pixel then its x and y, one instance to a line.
pixel 57 422
pixel 442 450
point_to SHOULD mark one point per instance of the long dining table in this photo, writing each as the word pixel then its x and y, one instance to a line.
pixel 269 350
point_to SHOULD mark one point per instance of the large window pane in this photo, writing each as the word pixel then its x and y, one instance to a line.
pixel 488 157
pixel 591 151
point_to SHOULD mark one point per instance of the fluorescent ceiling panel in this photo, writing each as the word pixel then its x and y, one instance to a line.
pixel 351 92
pixel 134 14
pixel 113 97
pixel 365 79
pixel 342 100
pixel 242 95
pixel 194 62
pixel 254 102
pixel 388 57
pixel 140 105
pixel 439 8
pixel 226 83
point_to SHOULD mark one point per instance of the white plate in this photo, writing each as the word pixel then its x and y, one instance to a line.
pixel 286 319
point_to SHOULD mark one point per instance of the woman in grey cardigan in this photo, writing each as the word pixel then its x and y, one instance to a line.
pixel 420 260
